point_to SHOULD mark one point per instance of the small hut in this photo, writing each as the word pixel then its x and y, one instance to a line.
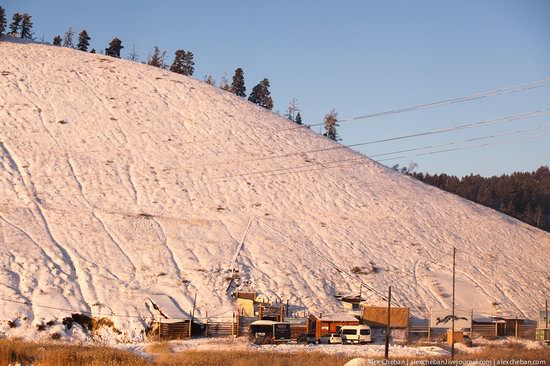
pixel 377 318
pixel 172 322
pixel 330 323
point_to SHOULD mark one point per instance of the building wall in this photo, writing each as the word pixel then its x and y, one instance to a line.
pixel 246 307
pixel 378 316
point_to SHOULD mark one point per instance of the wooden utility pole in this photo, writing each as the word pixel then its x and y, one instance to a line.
pixel 192 315
pixel 453 318
pixel 546 315
pixel 387 345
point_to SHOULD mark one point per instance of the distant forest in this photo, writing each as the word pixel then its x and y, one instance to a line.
pixel 525 196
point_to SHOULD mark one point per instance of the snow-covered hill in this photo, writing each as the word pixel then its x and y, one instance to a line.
pixel 120 180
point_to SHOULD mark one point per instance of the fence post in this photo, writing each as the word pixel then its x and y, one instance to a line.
pixel 206 323
pixel 496 328
pixel 238 325
pixel 233 326
pixel 517 332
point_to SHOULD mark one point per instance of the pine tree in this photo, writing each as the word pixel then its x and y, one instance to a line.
pixel 331 122
pixel 177 64
pixel 57 40
pixel 93 50
pixel 261 95
pixel 157 58
pixel 188 64
pixel 298 119
pixel 3 20
pixel 68 38
pixel 83 41
pixel 237 86
pixel 183 63
pixel 16 23
pixel 26 27
pixel 114 48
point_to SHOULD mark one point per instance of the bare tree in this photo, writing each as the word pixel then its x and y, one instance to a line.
pixel 68 38
pixel 293 108
pixel 133 56
pixel 224 84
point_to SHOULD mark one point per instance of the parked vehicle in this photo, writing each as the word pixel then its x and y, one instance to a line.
pixel 355 334
pixel 311 338
pixel 331 338
pixel 268 331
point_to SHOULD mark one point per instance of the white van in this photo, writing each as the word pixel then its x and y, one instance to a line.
pixel 355 334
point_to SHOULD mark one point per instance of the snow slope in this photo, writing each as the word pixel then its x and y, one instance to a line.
pixel 119 181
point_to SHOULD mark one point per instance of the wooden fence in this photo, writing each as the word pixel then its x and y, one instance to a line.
pixel 178 330
pixel 486 330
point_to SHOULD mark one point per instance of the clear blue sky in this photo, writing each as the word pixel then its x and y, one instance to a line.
pixel 358 57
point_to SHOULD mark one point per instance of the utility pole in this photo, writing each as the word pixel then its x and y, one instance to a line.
pixel 387 345
pixel 546 317
pixel 360 293
pixel 192 316
pixel 453 318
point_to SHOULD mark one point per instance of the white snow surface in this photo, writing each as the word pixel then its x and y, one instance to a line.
pixel 119 181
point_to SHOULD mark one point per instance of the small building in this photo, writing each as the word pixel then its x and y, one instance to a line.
pixel 351 302
pixel 246 302
pixel 502 326
pixel 377 318
pixel 298 328
pixel 330 323
pixel 172 322
pixel 543 328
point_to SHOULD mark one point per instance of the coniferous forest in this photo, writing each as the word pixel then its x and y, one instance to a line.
pixel 525 196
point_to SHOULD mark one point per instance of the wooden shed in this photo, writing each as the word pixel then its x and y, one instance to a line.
pixel 172 322
pixel 330 323
pixel 377 316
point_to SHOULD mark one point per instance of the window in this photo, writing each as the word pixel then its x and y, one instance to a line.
pixel 365 332
pixel 349 331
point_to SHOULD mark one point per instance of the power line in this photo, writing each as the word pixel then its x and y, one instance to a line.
pixel 338 163
pixel 536 113
pixel 357 160
pixel 531 114
pixel 463 141
pixel 491 93
pixel 470 147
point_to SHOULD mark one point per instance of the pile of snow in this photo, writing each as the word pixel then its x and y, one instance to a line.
pixel 120 181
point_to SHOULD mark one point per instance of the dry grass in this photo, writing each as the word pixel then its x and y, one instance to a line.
pixel 508 351
pixel 60 354
pixel 249 358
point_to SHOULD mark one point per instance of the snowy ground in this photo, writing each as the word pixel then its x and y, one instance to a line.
pixel 120 180
pixel 242 344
